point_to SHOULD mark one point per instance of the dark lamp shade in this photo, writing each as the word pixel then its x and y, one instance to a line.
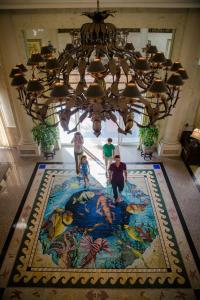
pixel 59 91
pixel 52 64
pixel 34 86
pixel 183 73
pixel 22 67
pixel 175 79
pixel 18 80
pixel 137 54
pixel 69 47
pixel 142 64
pixel 46 50
pixel 35 59
pixel 96 66
pixel 99 53
pixel 158 87
pixel 167 63
pixel 15 71
pixel 129 46
pixel 158 57
pixel 152 49
pixel 176 65
pixel 30 63
pixel 95 91
pixel 131 91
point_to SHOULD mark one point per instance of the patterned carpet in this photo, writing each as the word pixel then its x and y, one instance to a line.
pixel 75 241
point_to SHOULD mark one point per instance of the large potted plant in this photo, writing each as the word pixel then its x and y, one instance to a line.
pixel 45 135
pixel 148 137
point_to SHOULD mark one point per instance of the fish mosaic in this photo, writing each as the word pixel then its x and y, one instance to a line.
pixel 84 228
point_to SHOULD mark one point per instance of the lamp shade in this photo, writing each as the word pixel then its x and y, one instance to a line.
pixel 69 46
pixel 158 87
pixel 99 53
pixel 142 64
pixel 18 80
pixel 131 91
pixel 22 67
pixel 137 54
pixel 52 64
pixel 96 66
pixel 95 91
pixel 152 49
pixel 167 63
pixel 129 46
pixel 175 79
pixel 176 65
pixel 46 50
pixel 34 86
pixel 15 71
pixel 196 134
pixel 158 57
pixel 35 59
pixel 59 90
pixel 183 73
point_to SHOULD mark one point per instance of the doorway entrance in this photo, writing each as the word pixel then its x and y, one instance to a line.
pixel 109 129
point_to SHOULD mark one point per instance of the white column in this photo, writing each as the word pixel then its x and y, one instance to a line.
pixel 185 110
pixel 10 57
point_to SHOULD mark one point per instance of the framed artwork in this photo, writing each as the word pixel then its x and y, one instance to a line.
pixel 33 46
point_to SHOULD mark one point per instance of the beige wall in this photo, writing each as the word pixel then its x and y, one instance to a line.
pixel 186 44
pixel 197 117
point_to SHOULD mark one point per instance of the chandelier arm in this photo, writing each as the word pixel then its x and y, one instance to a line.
pixel 20 96
pixel 140 84
pixel 140 125
pixel 139 112
pixel 136 105
pixel 176 99
pixel 58 112
pixel 114 119
pixel 81 118
pixel 68 54
pixel 120 50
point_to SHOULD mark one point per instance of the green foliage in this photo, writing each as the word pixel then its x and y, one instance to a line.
pixel 149 135
pixel 45 135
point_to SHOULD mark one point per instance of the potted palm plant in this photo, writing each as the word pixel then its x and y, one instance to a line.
pixel 148 137
pixel 45 135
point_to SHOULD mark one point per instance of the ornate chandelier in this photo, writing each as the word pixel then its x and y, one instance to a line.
pixel 112 78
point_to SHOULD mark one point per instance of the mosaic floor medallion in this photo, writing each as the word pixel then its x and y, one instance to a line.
pixel 70 237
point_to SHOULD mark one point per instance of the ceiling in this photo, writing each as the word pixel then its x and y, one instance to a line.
pixel 48 4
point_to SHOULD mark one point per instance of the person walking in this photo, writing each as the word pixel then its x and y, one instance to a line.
pixel 84 169
pixel 78 149
pixel 117 175
pixel 108 153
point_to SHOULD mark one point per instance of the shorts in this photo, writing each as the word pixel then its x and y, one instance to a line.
pixel 108 160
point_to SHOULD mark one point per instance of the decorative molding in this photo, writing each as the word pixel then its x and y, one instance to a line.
pixel 29 150
pixel 165 149
pixel 77 30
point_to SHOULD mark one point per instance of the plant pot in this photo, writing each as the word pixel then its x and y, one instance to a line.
pixel 47 149
pixel 148 149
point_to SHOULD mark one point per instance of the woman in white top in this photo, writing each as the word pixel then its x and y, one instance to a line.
pixel 78 149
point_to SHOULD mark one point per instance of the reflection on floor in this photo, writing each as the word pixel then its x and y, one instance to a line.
pixel 196 171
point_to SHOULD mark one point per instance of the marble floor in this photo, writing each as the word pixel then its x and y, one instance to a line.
pixel 184 187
